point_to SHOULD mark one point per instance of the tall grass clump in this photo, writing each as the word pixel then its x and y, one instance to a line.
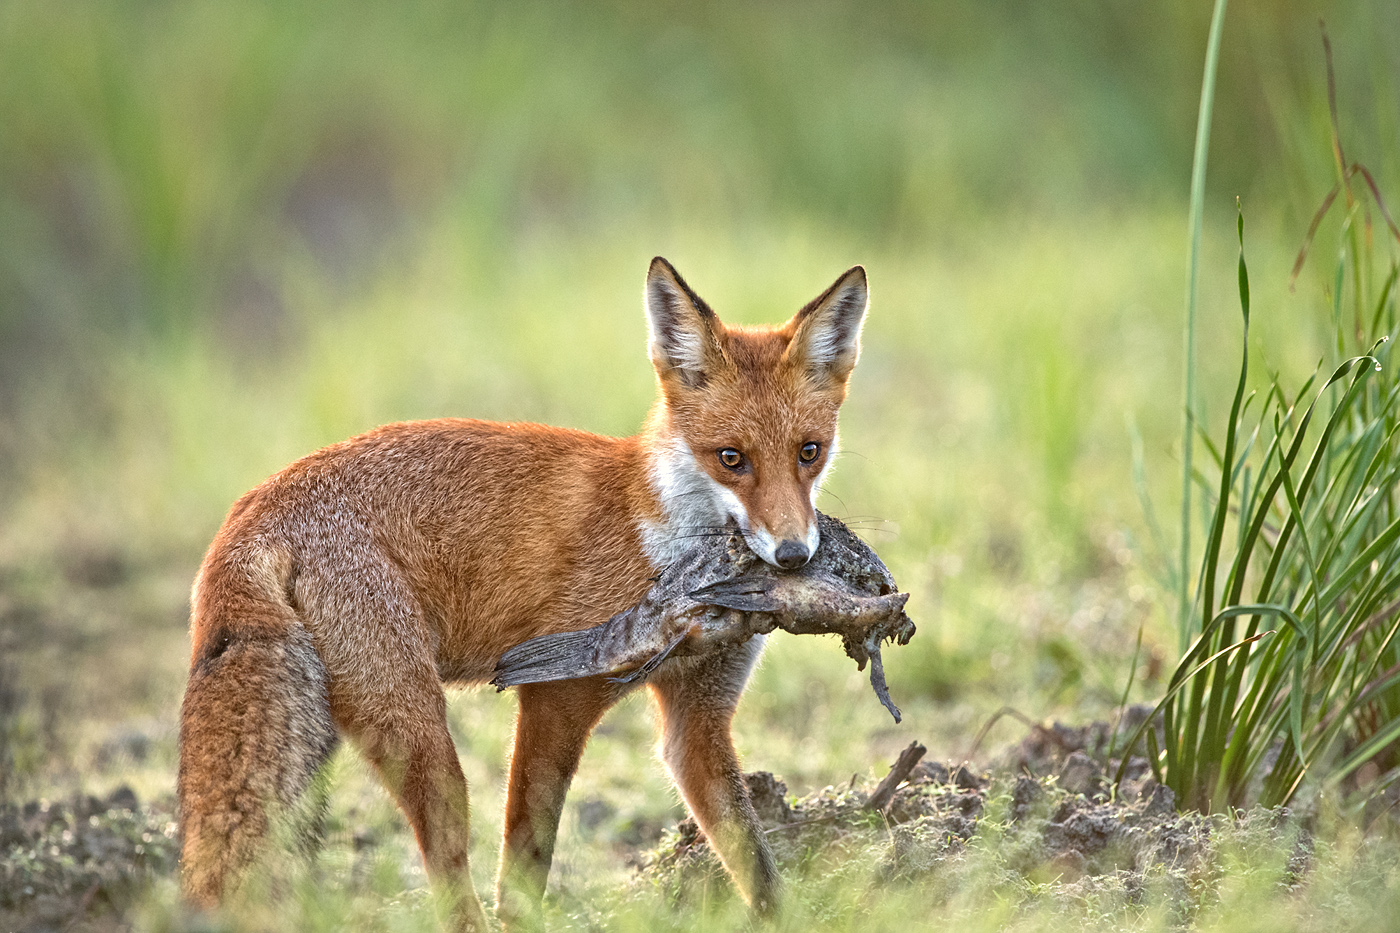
pixel 1295 672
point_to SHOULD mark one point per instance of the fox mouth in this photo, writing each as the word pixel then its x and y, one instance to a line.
pixel 786 554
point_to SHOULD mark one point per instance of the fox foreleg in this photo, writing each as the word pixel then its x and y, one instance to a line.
pixel 697 700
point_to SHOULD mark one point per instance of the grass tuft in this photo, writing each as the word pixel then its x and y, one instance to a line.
pixel 1250 713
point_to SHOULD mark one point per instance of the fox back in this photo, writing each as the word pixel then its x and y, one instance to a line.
pixel 343 592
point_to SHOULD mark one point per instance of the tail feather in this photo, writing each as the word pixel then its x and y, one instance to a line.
pixel 561 656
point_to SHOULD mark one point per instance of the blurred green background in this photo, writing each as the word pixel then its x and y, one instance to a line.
pixel 232 233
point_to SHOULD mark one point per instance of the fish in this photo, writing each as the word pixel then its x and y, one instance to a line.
pixel 719 594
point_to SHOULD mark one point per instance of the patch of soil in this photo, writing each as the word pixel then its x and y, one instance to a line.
pixel 61 861
pixel 1046 811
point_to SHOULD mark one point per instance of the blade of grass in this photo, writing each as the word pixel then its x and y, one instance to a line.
pixel 1197 213
pixel 1212 738
pixel 1123 702
pixel 1385 296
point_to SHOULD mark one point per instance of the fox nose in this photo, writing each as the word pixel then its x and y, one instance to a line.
pixel 791 554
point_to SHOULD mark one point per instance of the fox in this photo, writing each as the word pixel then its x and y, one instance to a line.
pixel 342 595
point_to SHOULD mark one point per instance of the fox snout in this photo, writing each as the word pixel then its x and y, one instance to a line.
pixel 786 550
pixel 790 554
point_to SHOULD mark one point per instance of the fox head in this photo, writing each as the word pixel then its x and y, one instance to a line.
pixel 746 424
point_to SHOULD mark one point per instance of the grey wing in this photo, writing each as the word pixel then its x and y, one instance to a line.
pixel 562 656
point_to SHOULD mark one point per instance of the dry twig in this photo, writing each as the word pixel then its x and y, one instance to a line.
pixel 884 793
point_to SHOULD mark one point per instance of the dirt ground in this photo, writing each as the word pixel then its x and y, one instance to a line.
pixel 83 860
pixel 1044 804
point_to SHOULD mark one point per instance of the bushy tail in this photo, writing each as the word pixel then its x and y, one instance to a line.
pixel 254 729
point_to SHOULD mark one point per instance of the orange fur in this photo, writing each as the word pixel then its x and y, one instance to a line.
pixel 343 592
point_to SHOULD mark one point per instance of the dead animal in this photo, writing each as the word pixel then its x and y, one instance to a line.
pixel 720 594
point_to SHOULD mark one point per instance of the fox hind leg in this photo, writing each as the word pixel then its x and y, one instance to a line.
pixel 551 730
pixel 385 695
pixel 417 762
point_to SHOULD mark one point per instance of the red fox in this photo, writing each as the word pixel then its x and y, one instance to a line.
pixel 343 593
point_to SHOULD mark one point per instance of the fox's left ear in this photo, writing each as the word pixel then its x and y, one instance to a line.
pixel 826 335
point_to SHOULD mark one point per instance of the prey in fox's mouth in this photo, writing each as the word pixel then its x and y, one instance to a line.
pixel 720 593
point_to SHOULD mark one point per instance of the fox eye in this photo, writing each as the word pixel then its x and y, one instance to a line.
pixel 809 452
pixel 731 458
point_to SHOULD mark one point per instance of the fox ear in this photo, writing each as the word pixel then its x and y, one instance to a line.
pixel 826 335
pixel 680 328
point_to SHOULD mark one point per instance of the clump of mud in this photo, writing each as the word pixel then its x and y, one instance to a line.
pixel 63 860
pixel 1045 815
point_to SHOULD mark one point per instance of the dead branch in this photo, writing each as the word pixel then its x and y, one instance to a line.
pixel 884 793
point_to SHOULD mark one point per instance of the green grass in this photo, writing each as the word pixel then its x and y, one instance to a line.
pixel 1197 218
pixel 1251 714
pixel 1316 543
